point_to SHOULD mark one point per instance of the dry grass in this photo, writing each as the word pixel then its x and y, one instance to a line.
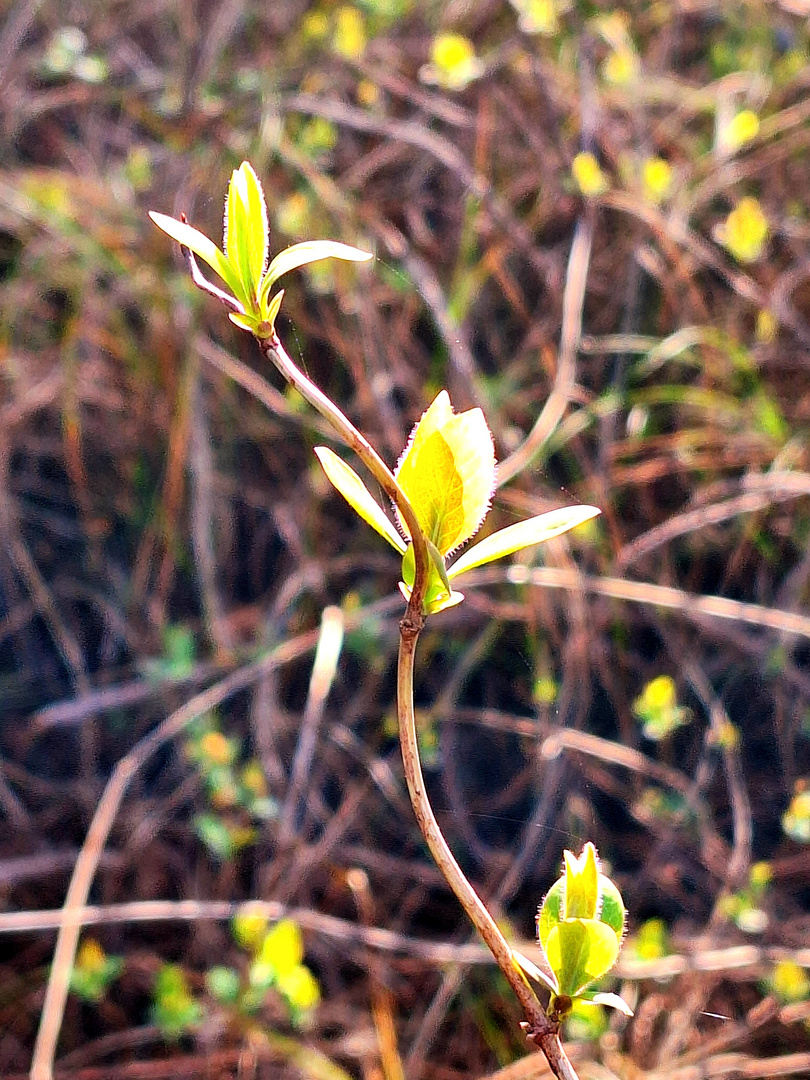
pixel 621 357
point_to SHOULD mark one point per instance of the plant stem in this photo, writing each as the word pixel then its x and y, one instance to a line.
pixel 539 1028
pixel 276 353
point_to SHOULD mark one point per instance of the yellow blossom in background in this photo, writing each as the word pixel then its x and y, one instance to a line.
pixel 789 982
pixel 368 93
pixel 537 16
pixel 216 748
pixel 94 971
pixel 300 987
pixel 767 327
pixel 91 957
pixel 293 214
pixel 796 819
pixel 588 175
pixel 658 709
pixel 350 37
pixel 745 230
pixel 656 176
pixel 249 926
pixel 740 130
pixel 314 26
pixel 453 63
pixel 621 66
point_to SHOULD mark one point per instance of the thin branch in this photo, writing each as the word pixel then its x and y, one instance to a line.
pixel 278 356
pixel 539 1028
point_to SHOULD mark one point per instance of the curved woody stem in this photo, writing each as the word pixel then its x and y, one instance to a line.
pixel 540 1029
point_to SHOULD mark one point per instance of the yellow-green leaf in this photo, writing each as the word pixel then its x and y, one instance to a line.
pixel 581 884
pixel 308 251
pixel 206 249
pixel 357 495
pixel 612 1001
pixel 268 310
pixel 448 473
pixel 579 951
pixel 246 231
pixel 535 530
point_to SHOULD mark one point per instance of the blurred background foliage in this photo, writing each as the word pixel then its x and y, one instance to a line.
pixel 604 208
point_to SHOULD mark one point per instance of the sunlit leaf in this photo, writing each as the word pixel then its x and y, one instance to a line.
pixel 448 472
pixel 533 971
pixel 612 1001
pixel 206 249
pixel 244 322
pixel 268 310
pixel 357 495
pixel 309 251
pixel 535 530
pixel 259 232
pixel 581 884
pixel 579 951
pixel 236 234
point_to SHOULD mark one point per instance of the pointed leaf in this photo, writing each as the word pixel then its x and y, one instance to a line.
pixel 579 951
pixel 612 1001
pixel 581 884
pixel 357 495
pixel 237 234
pixel 535 530
pixel 268 311
pixel 470 439
pixel 448 472
pixel 533 971
pixel 206 249
pixel 259 235
pixel 244 322
pixel 435 490
pixel 309 251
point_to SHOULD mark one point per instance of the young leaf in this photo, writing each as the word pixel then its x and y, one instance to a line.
pixel 206 249
pixel 301 254
pixel 533 971
pixel 246 232
pixel 268 311
pixel 236 235
pixel 535 530
pixel 612 1001
pixel 259 232
pixel 357 495
pixel 581 884
pixel 448 472
pixel 579 951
